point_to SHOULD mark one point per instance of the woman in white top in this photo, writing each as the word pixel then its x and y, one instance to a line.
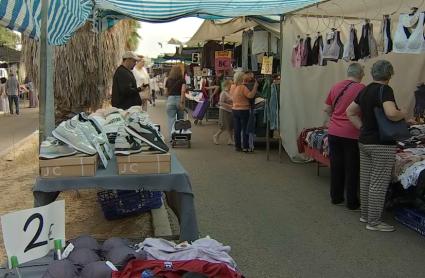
pixel 142 78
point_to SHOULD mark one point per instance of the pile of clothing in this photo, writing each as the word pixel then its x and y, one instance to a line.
pixel 315 138
pixel 118 258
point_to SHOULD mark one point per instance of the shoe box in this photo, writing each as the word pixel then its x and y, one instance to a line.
pixel 144 163
pixel 71 166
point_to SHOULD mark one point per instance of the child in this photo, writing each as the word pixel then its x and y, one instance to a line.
pixel 225 114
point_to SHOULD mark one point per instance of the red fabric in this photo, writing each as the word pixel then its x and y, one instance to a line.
pixel 303 136
pixel 176 269
pixel 339 124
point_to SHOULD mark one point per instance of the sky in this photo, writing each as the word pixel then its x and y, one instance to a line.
pixel 153 33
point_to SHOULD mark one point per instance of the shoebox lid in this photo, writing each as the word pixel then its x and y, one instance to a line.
pixel 145 157
pixel 69 160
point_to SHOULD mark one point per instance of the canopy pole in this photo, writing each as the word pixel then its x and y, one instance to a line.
pixel 47 102
pixel 282 18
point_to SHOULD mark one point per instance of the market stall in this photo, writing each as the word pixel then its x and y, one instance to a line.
pixel 308 77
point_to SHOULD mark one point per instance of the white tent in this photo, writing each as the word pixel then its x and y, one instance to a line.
pixel 304 90
pixel 230 29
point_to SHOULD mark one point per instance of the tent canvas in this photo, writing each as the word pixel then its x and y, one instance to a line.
pixel 304 90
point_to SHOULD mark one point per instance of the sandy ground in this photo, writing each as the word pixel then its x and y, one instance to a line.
pixel 18 170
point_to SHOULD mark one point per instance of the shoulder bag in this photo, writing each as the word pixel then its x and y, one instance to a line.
pixel 340 94
pixel 389 131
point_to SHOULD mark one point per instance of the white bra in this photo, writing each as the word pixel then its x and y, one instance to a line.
pixel 415 43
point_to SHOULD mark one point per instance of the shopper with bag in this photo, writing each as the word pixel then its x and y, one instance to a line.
pixel 343 139
pixel 377 151
pixel 175 89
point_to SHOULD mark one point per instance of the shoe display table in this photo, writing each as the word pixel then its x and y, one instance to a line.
pixel 176 185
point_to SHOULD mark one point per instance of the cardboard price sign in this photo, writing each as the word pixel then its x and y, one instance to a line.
pixel 223 54
pixel 223 63
pixel 267 67
pixel 29 234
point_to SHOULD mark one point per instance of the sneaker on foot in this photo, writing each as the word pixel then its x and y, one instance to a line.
pixel 381 227
pixel 215 139
pixel 363 220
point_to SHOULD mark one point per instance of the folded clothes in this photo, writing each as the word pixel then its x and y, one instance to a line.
pixel 85 242
pixel 84 256
pixel 121 255
pixel 114 242
pixel 96 270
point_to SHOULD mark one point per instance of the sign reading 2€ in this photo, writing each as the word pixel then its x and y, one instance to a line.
pixel 29 234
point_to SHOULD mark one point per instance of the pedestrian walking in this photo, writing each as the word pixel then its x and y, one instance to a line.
pixel 12 91
pixel 225 117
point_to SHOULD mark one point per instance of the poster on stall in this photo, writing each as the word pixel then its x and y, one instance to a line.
pixel 267 67
pixel 29 234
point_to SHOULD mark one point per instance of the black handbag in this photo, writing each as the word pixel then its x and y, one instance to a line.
pixel 389 131
pixel 182 125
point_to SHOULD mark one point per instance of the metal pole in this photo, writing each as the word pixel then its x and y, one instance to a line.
pixel 47 103
pixel 282 18
pixel 269 42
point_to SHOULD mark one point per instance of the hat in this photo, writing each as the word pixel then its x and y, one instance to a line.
pixel 130 55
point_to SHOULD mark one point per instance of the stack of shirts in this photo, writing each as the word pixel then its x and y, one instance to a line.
pixel 318 139
pixel 166 259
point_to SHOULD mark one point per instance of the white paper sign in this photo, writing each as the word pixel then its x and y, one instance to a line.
pixel 29 234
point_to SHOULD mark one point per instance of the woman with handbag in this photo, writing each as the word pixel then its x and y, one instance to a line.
pixel 343 139
pixel 175 90
pixel 377 151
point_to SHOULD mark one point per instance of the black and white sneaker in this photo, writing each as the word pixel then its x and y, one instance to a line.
pixel 125 144
pixel 148 134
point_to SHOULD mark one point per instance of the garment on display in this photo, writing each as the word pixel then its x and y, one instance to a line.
pixel 297 53
pixel 333 48
pixel 306 56
pixel 351 47
pixel 208 54
pixel 386 42
pixel 409 36
pixel 317 51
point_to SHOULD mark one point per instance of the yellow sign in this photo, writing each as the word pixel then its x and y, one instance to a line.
pixel 223 54
pixel 267 67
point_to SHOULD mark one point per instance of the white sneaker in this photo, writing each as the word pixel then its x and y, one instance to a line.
pixel 74 137
pixel 363 220
pixel 113 122
pixel 53 148
pixel 89 131
pixel 381 227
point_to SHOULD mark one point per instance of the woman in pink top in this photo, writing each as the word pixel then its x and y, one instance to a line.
pixel 343 137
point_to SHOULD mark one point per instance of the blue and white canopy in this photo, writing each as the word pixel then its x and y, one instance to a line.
pixel 66 16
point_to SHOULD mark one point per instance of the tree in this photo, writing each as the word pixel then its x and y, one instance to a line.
pixel 78 72
pixel 8 38
pixel 133 39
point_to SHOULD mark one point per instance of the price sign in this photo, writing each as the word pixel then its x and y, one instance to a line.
pixel 29 234
pixel 223 63
pixel 195 58
pixel 223 54
pixel 267 67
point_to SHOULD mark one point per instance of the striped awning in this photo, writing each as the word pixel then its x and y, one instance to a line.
pixel 66 16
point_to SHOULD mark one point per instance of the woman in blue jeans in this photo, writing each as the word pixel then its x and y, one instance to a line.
pixel 175 89
pixel 241 96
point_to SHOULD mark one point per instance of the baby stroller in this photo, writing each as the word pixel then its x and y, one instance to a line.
pixel 181 133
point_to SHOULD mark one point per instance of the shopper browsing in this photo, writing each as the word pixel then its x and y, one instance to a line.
pixel 175 89
pixel 225 116
pixel 377 158
pixel 125 92
pixel 12 91
pixel 143 81
pixel 343 139
pixel 241 96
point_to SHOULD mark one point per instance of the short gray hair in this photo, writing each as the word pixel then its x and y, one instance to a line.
pixel 382 70
pixel 238 78
pixel 355 70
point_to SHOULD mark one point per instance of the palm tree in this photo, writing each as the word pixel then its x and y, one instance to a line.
pixel 83 70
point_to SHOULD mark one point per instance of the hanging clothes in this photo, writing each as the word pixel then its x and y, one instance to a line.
pixel 238 56
pixel 317 51
pixel 208 54
pixel 297 52
pixel 306 55
pixel 373 46
pixel 351 48
pixel 340 44
pixel 245 50
pixel 409 36
pixel 419 110
pixel 271 111
pixel 332 47
pixel 385 40
pixel 364 42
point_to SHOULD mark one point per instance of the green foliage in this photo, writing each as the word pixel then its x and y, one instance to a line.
pixel 8 38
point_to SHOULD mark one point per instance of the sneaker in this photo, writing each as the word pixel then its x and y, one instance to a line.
pixel 138 116
pixel 73 136
pixel 146 132
pixel 113 122
pixel 53 148
pixel 363 220
pixel 381 227
pixel 89 131
pixel 125 144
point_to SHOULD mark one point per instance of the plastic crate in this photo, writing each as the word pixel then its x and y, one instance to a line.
pixel 118 204
pixel 412 219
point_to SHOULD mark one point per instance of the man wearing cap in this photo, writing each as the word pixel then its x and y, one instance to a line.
pixel 125 92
